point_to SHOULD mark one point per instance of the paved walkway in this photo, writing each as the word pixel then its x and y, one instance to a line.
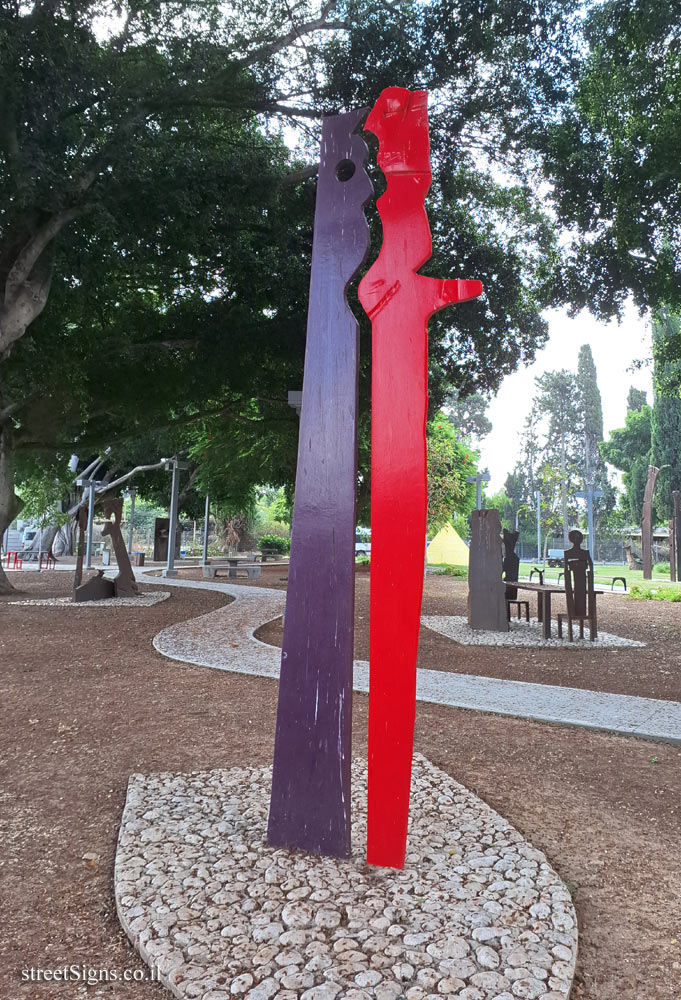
pixel 224 640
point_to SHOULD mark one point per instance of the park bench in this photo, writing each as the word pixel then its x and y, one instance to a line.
pixel 252 568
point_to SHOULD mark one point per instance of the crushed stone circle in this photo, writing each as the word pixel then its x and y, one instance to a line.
pixel 477 913
pixel 144 600
pixel 521 633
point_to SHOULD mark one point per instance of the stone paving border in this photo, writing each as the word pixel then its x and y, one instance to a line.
pixel 477 913
pixel 224 639
pixel 520 633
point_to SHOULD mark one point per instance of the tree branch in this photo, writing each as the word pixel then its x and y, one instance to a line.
pixel 296 176
pixel 271 48
pixel 28 257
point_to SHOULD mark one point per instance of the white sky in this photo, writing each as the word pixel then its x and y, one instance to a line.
pixel 614 348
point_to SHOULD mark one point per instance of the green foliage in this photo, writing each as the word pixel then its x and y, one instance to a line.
pixel 450 461
pixel 467 415
pixel 636 398
pixel 274 543
pixel 460 572
pixel 628 449
pixel 611 157
pixel 640 592
pixel 144 165
pixel 665 431
pixel 661 569
pixel 42 491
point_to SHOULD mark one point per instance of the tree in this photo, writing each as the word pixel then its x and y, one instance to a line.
pixel 628 449
pixel 665 430
pixel 611 159
pixel 142 176
pixel 636 399
pixel 467 415
pixel 450 462
pixel 592 415
pixel 557 401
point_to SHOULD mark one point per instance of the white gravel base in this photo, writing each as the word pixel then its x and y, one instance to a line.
pixel 145 600
pixel 477 913
pixel 521 633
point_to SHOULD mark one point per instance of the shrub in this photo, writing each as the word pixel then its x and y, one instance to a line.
pixel 458 571
pixel 645 593
pixel 662 569
pixel 275 543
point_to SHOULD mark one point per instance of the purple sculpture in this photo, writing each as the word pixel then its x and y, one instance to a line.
pixel 310 803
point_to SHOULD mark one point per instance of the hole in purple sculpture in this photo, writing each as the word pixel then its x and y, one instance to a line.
pixel 345 170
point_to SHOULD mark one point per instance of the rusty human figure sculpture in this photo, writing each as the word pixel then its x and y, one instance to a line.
pixel 579 589
pixel 98 588
pixel 124 582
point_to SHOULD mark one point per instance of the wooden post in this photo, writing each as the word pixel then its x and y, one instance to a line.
pixel 399 302
pixel 310 803
pixel 647 523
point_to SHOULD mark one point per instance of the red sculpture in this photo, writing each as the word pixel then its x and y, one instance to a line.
pixel 399 303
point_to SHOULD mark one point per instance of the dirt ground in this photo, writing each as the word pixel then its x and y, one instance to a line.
pixel 87 701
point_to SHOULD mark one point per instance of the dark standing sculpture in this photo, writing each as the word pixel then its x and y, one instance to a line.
pixel 580 596
pixel 511 563
pixel 486 591
pixel 647 522
pixel 310 803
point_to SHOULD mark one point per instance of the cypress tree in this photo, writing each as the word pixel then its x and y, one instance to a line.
pixel 592 416
pixel 636 399
pixel 666 419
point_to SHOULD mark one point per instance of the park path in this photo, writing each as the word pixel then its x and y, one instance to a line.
pixel 224 640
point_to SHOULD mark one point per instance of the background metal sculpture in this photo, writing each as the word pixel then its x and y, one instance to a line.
pixel 399 302
pixel 124 582
pixel 310 804
pixel 96 588
pixel 511 563
pixel 486 600
pixel 647 522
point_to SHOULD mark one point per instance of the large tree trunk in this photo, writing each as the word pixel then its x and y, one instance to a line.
pixel 10 504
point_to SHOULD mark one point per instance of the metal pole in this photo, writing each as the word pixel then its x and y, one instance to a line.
pixel 206 525
pixel 172 519
pixel 133 493
pixel 537 496
pixel 90 525
pixel 590 519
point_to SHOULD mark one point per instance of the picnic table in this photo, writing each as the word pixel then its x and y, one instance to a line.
pixel 232 564
pixel 543 592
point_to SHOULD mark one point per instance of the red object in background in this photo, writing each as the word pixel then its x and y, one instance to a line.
pixel 399 303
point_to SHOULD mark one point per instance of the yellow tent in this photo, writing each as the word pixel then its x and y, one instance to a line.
pixel 448 548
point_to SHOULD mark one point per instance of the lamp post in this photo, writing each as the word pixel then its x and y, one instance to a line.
pixel 132 493
pixel 90 484
pixel 537 497
pixel 173 465
pixel 590 494
pixel 206 523
pixel 482 477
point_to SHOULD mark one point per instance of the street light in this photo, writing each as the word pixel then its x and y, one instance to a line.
pixel 173 465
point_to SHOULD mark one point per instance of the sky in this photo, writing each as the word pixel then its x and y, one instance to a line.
pixel 614 348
